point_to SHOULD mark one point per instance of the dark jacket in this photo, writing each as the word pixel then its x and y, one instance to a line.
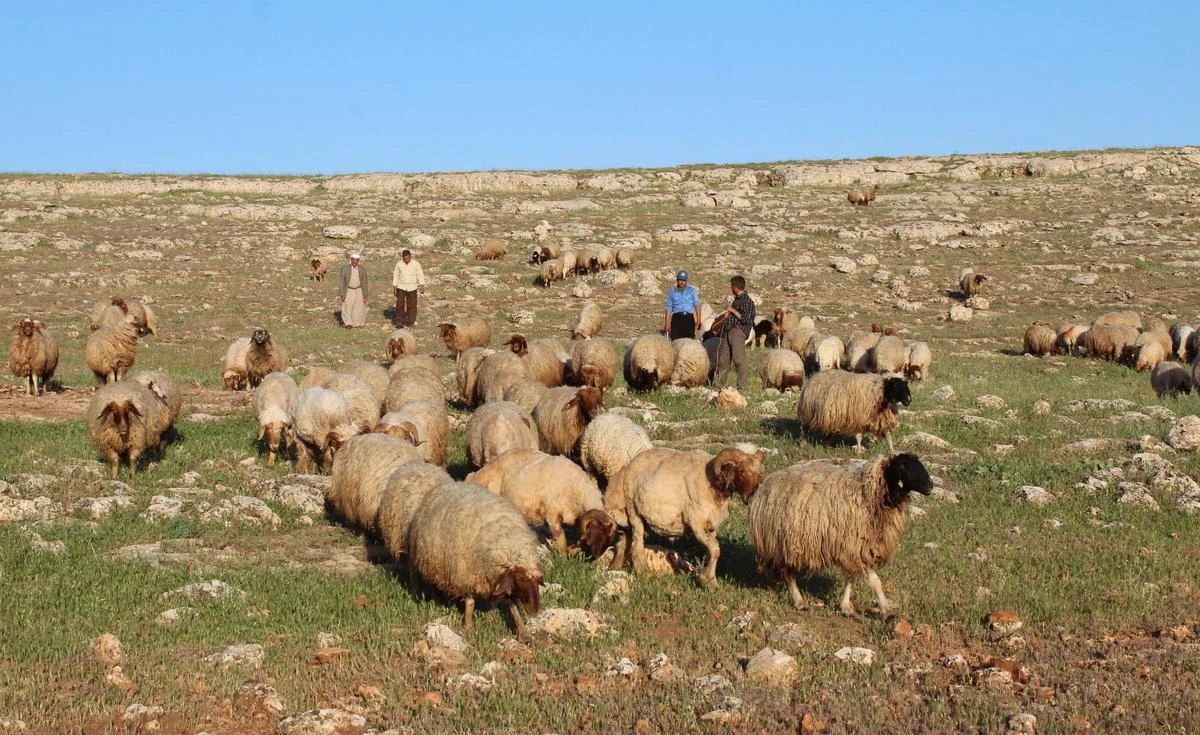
pixel 344 283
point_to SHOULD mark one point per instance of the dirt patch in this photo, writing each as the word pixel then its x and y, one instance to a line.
pixel 64 403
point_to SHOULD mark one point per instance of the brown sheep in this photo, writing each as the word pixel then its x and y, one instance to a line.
pixel 33 355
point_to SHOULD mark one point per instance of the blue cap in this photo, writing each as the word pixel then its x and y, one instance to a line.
pixel 681 276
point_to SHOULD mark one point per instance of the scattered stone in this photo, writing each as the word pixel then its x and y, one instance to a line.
pixel 623 667
pixel 616 588
pixel 1004 621
pixel 843 265
pixel 162 508
pixel 107 650
pixel 469 682
pixel 213 589
pixel 1034 495
pixel 521 316
pixel 944 394
pixel 1184 434
pixel 1135 493
pixel 242 510
pixel 662 670
pixel 1084 279
pixel 442 636
pixel 730 398
pixel 328 655
pixel 712 683
pixel 989 401
pixel 322 722
pixel 1088 446
pixel 569 623
pixel 1042 406
pixel 926 439
pixel 773 667
pixel 961 313
pixel 854 654
pixel 340 232
pixel 581 290
pixel 258 698
pixel 142 717
pixel 903 631
pixel 243 655
pixel 175 616
pixel 729 712
pixel 1022 724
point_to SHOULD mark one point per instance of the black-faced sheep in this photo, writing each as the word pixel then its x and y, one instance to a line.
pixel 691 366
pixel 545 357
pixel 271 400
pixel 819 514
pixel 608 443
pixel 593 363
pixel 401 342
pixel 1170 379
pixel 233 366
pixel 782 369
pixel 673 493
pixel 550 490
pixel 464 333
pixel 918 361
pixel 264 356
pixel 360 471
pixel 33 355
pixel 111 350
pixel 143 318
pixel 544 253
pixel 841 404
pixel 648 362
pixel 561 416
pixel 495 428
pixel 1039 339
pixel 493 249
pixel 970 282
pixel 121 419
pixel 591 321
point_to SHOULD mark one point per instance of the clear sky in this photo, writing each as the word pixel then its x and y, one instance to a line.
pixel 307 87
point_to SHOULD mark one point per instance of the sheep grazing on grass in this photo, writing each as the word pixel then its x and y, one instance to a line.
pixel 411 383
pixel 824 352
pixel 271 400
pixel 359 397
pixel 1069 339
pixel 1170 379
pixel 887 356
pixel 466 371
pixel 525 393
pixel 783 370
pixel 425 425
pixel 918 361
pixel 546 358
pixel 121 419
pixel 315 378
pixel 1147 355
pixel 970 282
pixel 799 339
pixel 403 492
pixel 166 391
pixel 593 363
pixel 551 271
pixel 322 423
pixel 841 404
pixel 820 514
pixel 233 366
pixel 602 259
pixel 584 257
pixel 491 250
pixel 1039 339
pixel 406 363
pixel 1161 337
pixel 591 321
pixel 471 544
pixel 862 196
pixel 1109 341
pixel 1179 341
pixel 496 428
pixel 111 350
pixel 544 254
pixel 784 319
pixel 360 472
pixel 691 366
pixel 569 260
pixel 648 362
pixel 672 493
pixel 373 373
pixel 562 415
pixel 401 342
pixel 1118 318
pixel 608 443
pixel 496 373
pixel 623 258
pixel 464 333
pixel 553 491
pixel 264 356
pixel 33 355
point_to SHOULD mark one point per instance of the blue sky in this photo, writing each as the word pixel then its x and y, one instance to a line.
pixel 267 86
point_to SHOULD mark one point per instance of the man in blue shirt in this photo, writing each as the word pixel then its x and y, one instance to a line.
pixel 683 309
pixel 739 323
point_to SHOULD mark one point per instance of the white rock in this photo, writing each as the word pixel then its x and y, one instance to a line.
pixel 961 313
pixel 1135 493
pixel 569 623
pixel 1084 279
pixel 244 655
pixel 712 683
pixel 1034 495
pixel 857 655
pixel 441 635
pixel 340 232
pixel 773 666
pixel 321 722
pixel 469 682
pixel 623 667
pixel 521 316
pixel 1184 434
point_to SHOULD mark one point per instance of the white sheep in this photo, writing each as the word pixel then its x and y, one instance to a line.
pixel 918 361
pixel 414 362
pixel 525 393
pixel 497 427
pixel 782 369
pixel 648 362
pixel 111 350
pixel 271 400
pixel 411 383
pixel 495 374
pixel 1109 341
pixel 824 352
pixel 1119 318
pixel 690 363
pixel 840 404
pixel 546 358
pixel 858 348
pixel 623 257
pixel 422 423
pixel 121 420
pixel 403 492
pixel 360 471
pixel 493 249
pixel 888 355
pixel 165 390
pixel 550 271
pixel 401 342
pixel 33 355
pixel 561 416
pixel 376 376
pixel 315 378
pixel 608 443
pixel 673 493
pixel 591 321
pixel 466 369
pixel 1039 339
pixel 364 406
pixel 322 422
pixel 819 514
pixel 233 366
pixel 593 363
pixel 464 333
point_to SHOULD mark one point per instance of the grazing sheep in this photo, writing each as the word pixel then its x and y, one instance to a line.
pixel 264 356
pixel 403 492
pixel 551 271
pixel 545 357
pixel 143 318
pixel 584 257
pixel 413 382
pixel 1148 354
pixel 166 391
pixel 425 425
pixel 623 257
pixel 782 369
pixel 496 373
pixel 591 321
pixel 108 312
pixel 525 393
pixel 360 471
pixel 271 400
pixel 376 375
pixel 799 339
pixel 858 348
pixel 608 443
pixel 233 367
pixel 819 514
pixel 322 423
pixel 111 350
pixel 1170 379
pixel 316 377
pixel 401 342
pixel 427 363
pixel 862 196
pixel 918 361
pixel 562 415
pixel 497 427
pixel 1158 335
pixel 319 265
pixel 464 333
pixel 360 398
pixel 121 419
pixel 784 320
pixel 837 403
pixel 763 333
pixel 569 260
pixel 33 355
pixel 491 250
pixel 825 352
pixel 691 364
pixel 673 492
pixel 1039 339
pixel 648 362
pixel 1180 333
pixel 593 363
pixel 469 543
pixel 1118 318
pixel 466 369
pixel 550 490
pixel 887 355
pixel 1069 339
pixel 602 259
pixel 544 254
pixel 1109 341
pixel 970 282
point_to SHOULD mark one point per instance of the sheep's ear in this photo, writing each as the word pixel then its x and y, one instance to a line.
pixel 108 409
pixel 131 408
pixel 262 431
pixel 573 402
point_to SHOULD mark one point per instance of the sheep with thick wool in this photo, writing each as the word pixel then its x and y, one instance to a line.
pixel 111 350
pixel 918 361
pixel 546 358
pixel 1170 379
pixel 107 312
pixel 584 258
pixel 553 491
pixel 970 282
pixel 165 390
pixel 1069 339
pixel 271 400
pixel 824 352
pixel 403 492
pixel 608 443
pixel 415 362
pixel 411 383
pixel 1161 337
pixel 799 339
pixel 401 342
pixel 623 257
pixel 823 513
pixel 466 371
pixel 887 356
pixel 525 393
pixel 1109 341
pixel 471 544
pixel 672 493
pixel 648 362
pixel 862 195
pixel 602 259
pixel 840 404
pixel 493 249
pixel 496 373
pixel 422 423
pixel 691 367
pixel 376 376
pixel 590 322
pixel 360 472
pixel 122 418
pixel 1124 318
pixel 33 355
pixel 315 378
pixel 1039 339
pixel 233 366
pixel 551 271
pixel 143 317
pixel 264 356
pixel 562 415
pixel 319 265
pixel 544 253
pixel 858 348
pixel 593 363
pixel 496 428
pixel 463 333
pixel 782 369
pixel 322 422
pixel 359 396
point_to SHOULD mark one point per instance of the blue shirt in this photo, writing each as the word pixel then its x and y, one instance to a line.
pixel 686 301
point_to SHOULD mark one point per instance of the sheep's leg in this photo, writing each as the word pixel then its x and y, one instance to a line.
pixel 891 447
pixel 620 550
pixel 115 460
pixel 133 461
pixel 31 385
pixel 469 614
pixel 111 377
pixel 846 606
pixel 885 608
pixel 518 624
pixel 858 447
pixel 708 537
pixel 637 545
pixel 560 537
pixel 271 456
pixel 793 589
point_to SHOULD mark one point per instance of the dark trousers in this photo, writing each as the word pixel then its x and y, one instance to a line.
pixel 683 325
pixel 406 308
pixel 732 349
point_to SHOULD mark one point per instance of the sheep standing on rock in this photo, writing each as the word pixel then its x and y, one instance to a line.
pixel 33 355
pixel 841 404
pixel 969 282
pixel 464 333
pixel 593 363
pixel 562 415
pixel 121 419
pixel 271 400
pixel 648 362
pixel 111 350
pixel 1170 379
pixel 264 356
pixel 608 443
pixel 673 492
pixel 1039 339
pixel 591 321
pixel 818 514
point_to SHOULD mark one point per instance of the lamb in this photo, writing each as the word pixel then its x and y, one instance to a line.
pixel 1039 339
pixel 837 403
pixel 413 383
pixel 1170 379
pixel 525 393
pixel 562 415
pixel 375 375
pixel 1118 318
pixel 623 257
pixel 648 362
pixel 1069 339
pixel 271 400
pixel 121 419
pixel 970 282
pixel 1179 340
pixel 360 471
pixel 166 391
pixel 545 358
pixel 233 367
pixel 496 428
pixel 360 399
pixel 496 373
pixel 111 350
pixel 464 333
pixel 403 492
pixel 422 423
pixel 491 250
pixel 690 368
pixel 264 356
pixel 782 369
pixel 553 491
pixel 608 443
pixel 469 543
pixel 319 265
pixel 824 353
pixel 321 421
pixel 862 196
pixel 33 355
pixel 591 321
pixel 401 342
pixel 917 362
pixel 1109 342
pixel 466 369
pixel 593 363
pixel 673 492
pixel 820 513
pixel 763 333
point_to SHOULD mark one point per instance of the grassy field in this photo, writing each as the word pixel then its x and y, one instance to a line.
pixel 1105 590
